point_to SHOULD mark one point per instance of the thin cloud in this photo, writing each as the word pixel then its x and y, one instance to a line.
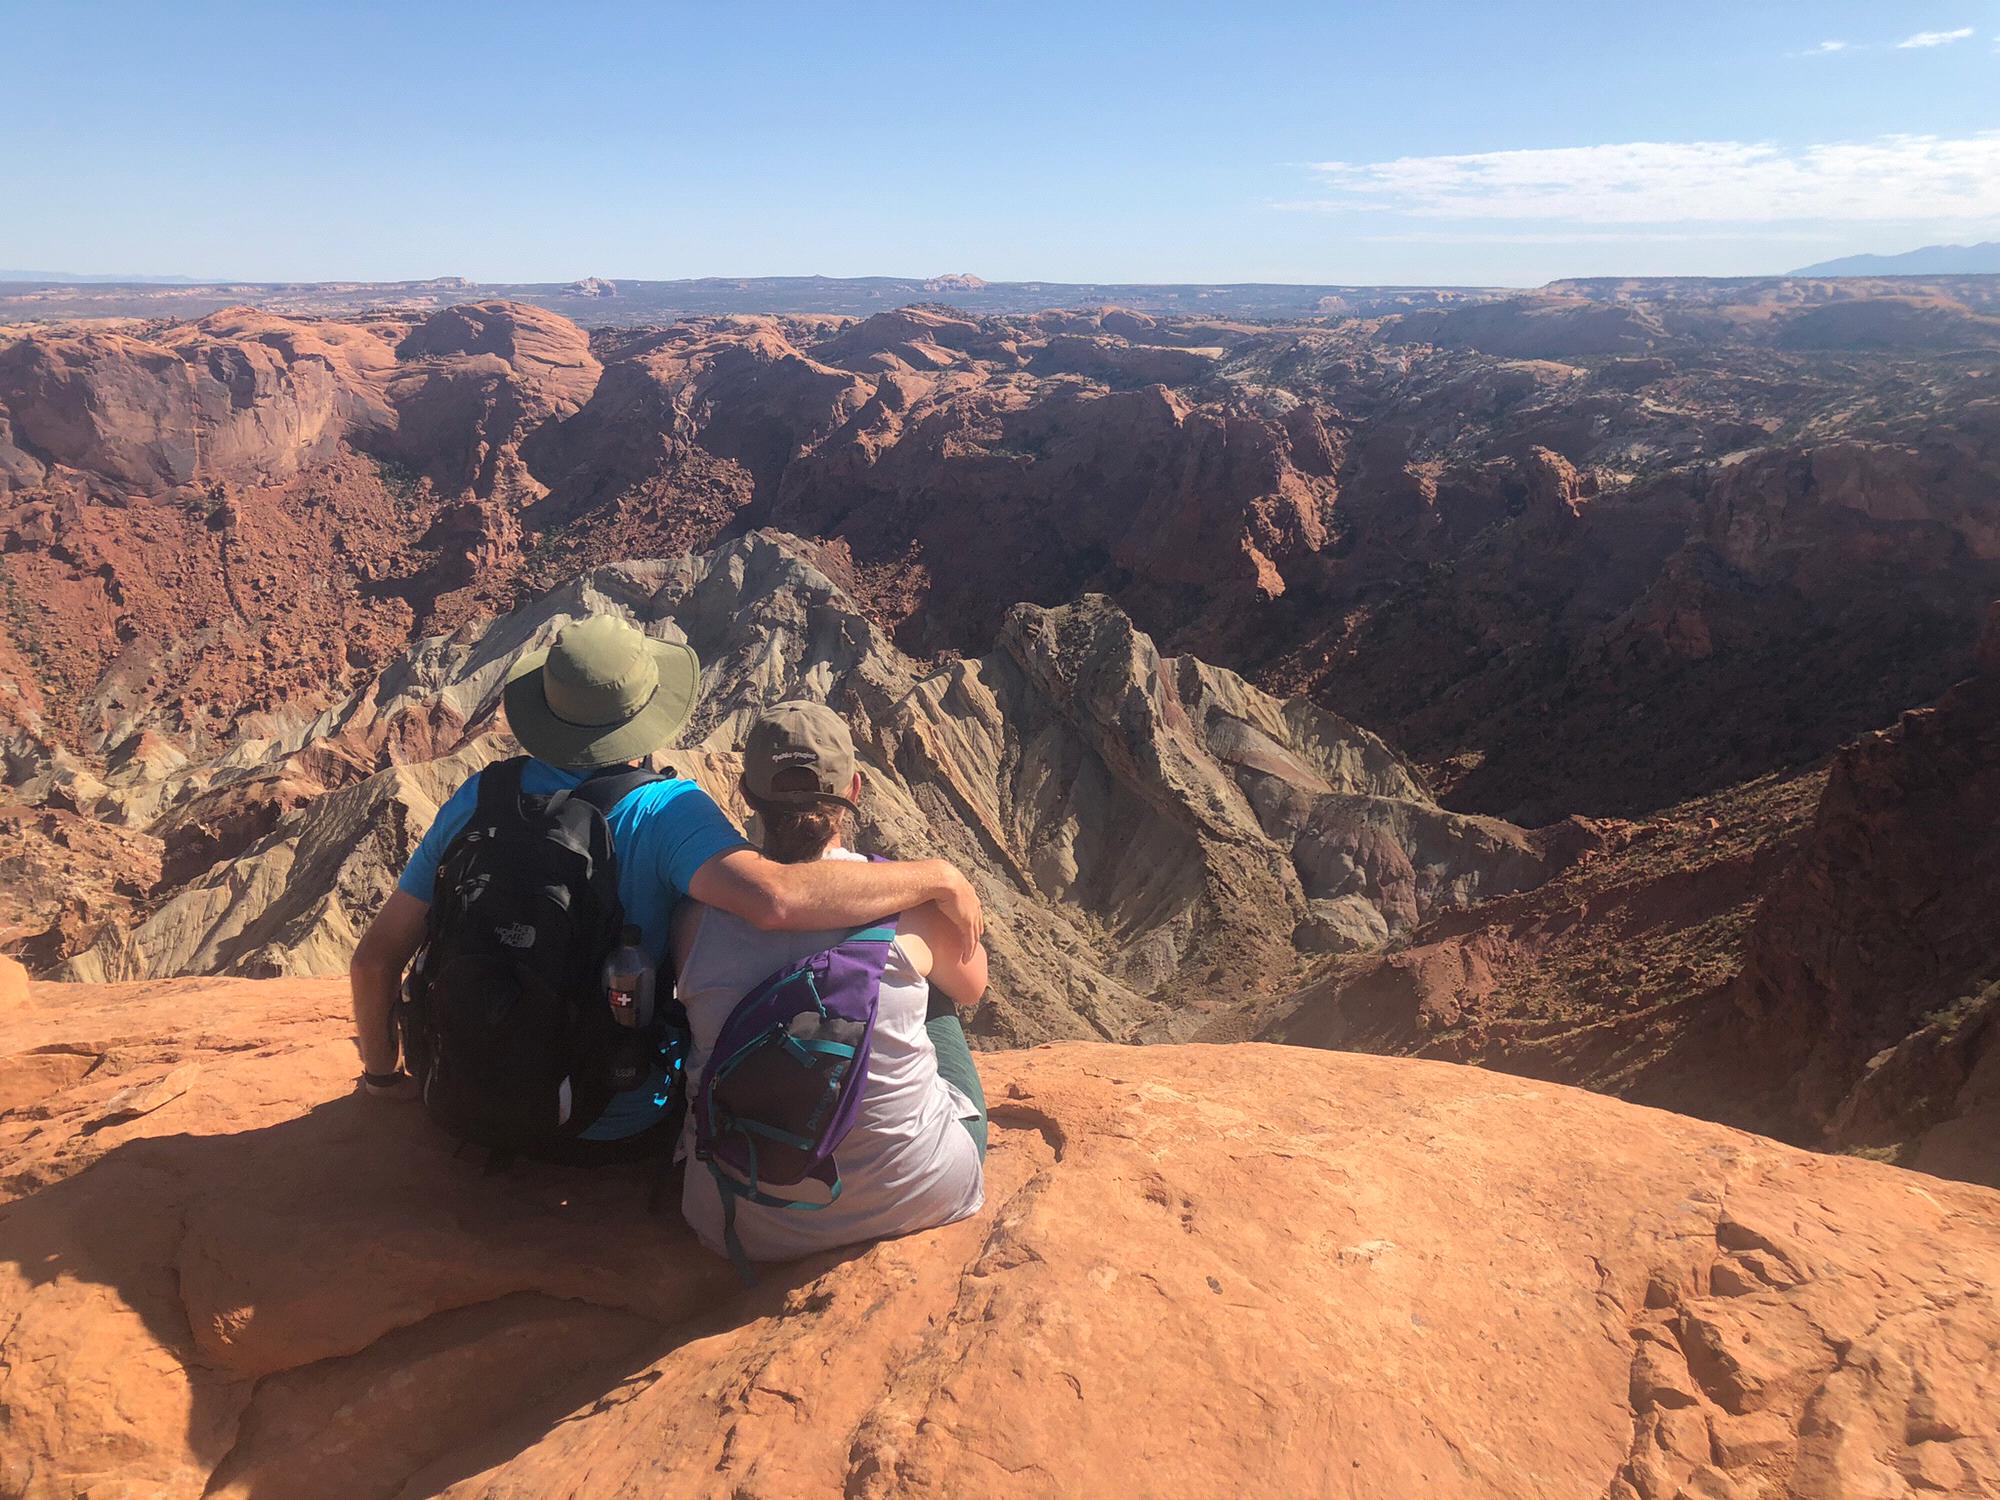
pixel 1910 177
pixel 1935 38
pixel 1824 49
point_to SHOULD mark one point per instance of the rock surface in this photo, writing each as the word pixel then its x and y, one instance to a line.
pixel 1246 1270
pixel 244 397
pixel 1619 973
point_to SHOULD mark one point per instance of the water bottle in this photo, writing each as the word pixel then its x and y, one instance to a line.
pixel 628 989
pixel 628 981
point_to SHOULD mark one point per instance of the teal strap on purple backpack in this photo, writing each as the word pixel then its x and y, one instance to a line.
pixel 786 1078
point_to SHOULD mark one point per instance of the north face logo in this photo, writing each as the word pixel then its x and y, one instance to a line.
pixel 516 935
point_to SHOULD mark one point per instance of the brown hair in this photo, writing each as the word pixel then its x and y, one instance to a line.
pixel 797 832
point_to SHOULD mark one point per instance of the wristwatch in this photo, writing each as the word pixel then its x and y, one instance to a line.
pixel 382 1082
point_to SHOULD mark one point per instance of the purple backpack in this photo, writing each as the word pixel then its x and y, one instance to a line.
pixel 784 1083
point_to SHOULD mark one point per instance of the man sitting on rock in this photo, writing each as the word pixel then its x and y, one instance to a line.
pixel 602 698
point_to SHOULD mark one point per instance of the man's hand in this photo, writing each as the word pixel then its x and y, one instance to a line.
pixel 960 904
pixel 376 973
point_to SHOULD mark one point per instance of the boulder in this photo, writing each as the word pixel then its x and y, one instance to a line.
pixel 1244 1270
pixel 1345 924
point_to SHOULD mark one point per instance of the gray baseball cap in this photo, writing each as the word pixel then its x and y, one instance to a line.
pixel 799 736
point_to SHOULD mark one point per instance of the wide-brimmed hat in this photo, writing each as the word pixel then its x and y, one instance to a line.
pixel 604 693
pixel 799 737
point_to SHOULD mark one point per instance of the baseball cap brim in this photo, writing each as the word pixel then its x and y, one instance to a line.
pixel 591 747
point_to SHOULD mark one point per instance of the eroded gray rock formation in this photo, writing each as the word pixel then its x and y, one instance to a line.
pixel 1155 838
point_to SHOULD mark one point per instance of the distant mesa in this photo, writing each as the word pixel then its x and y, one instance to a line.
pixel 957 281
pixel 113 278
pixel 1982 259
pixel 594 286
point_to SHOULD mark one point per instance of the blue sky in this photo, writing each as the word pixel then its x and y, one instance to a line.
pixel 1489 142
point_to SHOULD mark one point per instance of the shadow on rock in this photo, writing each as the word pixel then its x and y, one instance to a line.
pixel 331 1304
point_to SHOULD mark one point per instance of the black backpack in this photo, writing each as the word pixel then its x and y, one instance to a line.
pixel 505 1025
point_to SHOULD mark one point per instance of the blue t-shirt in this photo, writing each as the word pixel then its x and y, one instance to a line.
pixel 663 833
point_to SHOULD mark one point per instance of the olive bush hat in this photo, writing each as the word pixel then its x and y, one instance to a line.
pixel 799 736
pixel 604 693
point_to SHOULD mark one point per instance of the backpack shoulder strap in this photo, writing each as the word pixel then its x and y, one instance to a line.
pixel 606 790
pixel 871 944
pixel 500 788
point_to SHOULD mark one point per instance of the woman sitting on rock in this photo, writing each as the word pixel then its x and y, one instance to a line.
pixel 913 1157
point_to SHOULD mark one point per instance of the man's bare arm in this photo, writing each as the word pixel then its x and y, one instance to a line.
pixel 836 893
pixel 376 972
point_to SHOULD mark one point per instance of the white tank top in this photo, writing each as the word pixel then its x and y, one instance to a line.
pixel 907 1164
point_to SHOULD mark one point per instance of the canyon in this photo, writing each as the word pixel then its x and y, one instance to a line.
pixel 1441 768
pixel 1559 546
pixel 1538 680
